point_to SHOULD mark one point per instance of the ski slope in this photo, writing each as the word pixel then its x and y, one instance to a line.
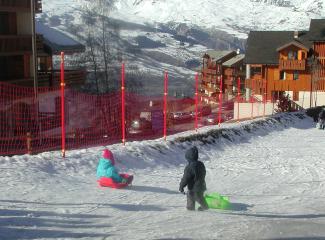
pixel 273 170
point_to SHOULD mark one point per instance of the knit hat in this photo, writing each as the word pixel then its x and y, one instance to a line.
pixel 107 154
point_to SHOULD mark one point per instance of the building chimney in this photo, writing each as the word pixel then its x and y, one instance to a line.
pixel 295 34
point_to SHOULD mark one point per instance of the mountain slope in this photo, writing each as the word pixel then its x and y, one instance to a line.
pixel 158 35
pixel 233 16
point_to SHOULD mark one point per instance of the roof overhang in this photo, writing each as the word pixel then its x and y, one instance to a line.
pixel 293 43
pixel 56 41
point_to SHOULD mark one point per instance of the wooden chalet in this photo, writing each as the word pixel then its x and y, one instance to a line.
pixel 233 69
pixel 54 43
pixel 216 66
pixel 16 51
pixel 287 61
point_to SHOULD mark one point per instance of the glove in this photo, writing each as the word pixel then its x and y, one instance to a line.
pixel 124 180
pixel 181 190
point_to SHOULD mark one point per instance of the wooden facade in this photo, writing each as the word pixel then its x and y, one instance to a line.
pixel 293 63
pixel 16 41
pixel 219 73
pixel 16 56
pixel 19 6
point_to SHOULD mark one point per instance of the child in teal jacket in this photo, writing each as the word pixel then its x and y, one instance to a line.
pixel 107 169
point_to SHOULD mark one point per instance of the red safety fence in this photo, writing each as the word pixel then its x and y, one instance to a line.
pixel 32 123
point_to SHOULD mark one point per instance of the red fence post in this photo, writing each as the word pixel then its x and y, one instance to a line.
pixel 252 99
pixel 196 100
pixel 123 101
pixel 220 101
pixel 62 105
pixel 165 104
pixel 264 97
pixel 238 97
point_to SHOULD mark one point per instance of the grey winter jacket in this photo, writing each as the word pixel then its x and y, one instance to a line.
pixel 194 173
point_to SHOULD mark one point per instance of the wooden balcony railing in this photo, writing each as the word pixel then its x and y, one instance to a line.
pixel 71 78
pixel 19 43
pixel 210 88
pixel 209 71
pixel 46 79
pixel 292 64
pixel 209 79
pixel 230 72
pixel 228 82
pixel 256 85
pixel 15 44
pixel 19 5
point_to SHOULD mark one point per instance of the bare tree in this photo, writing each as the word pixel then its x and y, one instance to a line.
pixel 95 16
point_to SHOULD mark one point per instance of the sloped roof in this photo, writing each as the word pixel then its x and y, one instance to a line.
pixel 262 45
pixel 234 60
pixel 317 30
pixel 295 43
pixel 218 55
pixel 56 41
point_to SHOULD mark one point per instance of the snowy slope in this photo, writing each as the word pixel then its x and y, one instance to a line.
pixel 233 16
pixel 272 170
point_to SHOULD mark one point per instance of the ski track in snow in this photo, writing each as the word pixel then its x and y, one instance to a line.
pixel 273 176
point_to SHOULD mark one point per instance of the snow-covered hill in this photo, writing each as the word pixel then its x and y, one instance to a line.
pixel 233 16
pixel 272 170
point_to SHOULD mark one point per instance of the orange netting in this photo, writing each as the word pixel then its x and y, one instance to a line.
pixel 32 124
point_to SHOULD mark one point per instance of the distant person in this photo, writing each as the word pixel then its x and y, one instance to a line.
pixel 194 179
pixel 321 119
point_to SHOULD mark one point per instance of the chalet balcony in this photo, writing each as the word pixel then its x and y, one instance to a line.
pixel 207 71
pixel 228 82
pixel 71 78
pixel 292 64
pixel 46 79
pixel 18 44
pixel 256 85
pixel 13 44
pixel 19 5
pixel 212 88
pixel 208 79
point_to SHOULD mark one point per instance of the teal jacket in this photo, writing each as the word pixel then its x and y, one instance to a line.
pixel 105 168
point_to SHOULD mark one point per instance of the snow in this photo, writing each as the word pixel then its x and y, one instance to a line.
pixel 236 17
pixel 54 36
pixel 272 170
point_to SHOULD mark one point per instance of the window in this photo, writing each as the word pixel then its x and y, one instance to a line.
pixel 295 75
pixel 282 75
pixel 8 25
pixel 256 71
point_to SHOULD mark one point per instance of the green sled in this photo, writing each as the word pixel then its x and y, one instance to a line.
pixel 217 201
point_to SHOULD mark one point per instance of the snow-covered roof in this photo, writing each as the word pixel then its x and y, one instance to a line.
pixel 56 41
pixel 218 55
pixel 234 60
